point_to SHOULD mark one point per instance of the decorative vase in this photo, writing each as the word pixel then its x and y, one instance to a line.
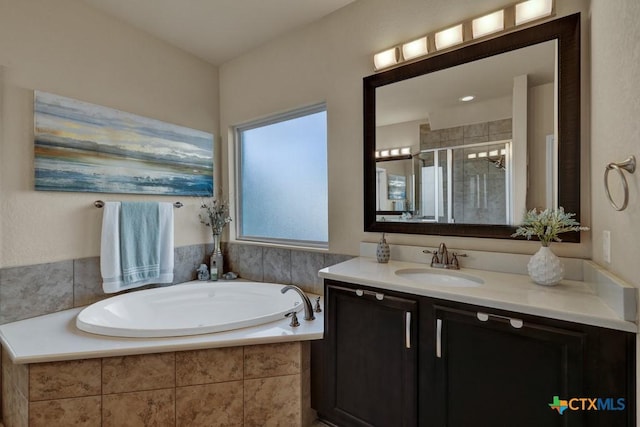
pixel 545 268
pixel 383 253
pixel 216 261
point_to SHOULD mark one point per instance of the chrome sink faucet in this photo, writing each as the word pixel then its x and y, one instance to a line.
pixel 308 309
pixel 442 258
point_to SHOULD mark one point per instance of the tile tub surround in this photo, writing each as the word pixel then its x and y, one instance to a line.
pixel 245 386
pixel 34 290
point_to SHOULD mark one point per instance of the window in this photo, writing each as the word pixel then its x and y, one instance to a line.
pixel 282 179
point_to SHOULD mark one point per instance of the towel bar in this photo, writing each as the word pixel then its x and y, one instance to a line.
pixel 100 204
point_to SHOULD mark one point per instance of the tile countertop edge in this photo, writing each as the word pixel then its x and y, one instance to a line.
pixel 611 319
pixel 59 340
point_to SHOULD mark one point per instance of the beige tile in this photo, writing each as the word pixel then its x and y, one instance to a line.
pixel 139 409
pixel 270 360
pixel 307 413
pixel 208 366
pixel 272 401
pixel 80 411
pixel 135 373
pixel 210 405
pixel 15 376
pixel 59 380
pixel 15 407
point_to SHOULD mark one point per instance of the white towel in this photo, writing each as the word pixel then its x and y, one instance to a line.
pixel 110 264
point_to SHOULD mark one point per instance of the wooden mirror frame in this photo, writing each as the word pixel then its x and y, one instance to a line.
pixel 566 31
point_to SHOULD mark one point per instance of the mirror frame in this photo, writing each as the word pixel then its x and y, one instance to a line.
pixel 566 31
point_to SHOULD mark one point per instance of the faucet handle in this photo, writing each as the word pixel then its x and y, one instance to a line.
pixel 434 258
pixel 454 260
pixel 317 308
pixel 294 319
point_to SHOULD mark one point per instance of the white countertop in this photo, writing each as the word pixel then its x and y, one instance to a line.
pixel 570 300
pixel 54 337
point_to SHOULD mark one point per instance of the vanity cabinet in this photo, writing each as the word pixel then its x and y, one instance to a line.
pixel 370 374
pixel 490 369
pixel 466 365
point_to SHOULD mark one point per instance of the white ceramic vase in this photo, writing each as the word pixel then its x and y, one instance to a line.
pixel 545 268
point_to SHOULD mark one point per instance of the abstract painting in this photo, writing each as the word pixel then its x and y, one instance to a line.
pixel 88 148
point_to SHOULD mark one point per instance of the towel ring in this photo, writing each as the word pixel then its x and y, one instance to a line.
pixel 630 166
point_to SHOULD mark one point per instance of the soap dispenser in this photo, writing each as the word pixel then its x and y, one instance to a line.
pixel 382 251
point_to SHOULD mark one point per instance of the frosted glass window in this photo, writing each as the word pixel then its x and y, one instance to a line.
pixel 282 171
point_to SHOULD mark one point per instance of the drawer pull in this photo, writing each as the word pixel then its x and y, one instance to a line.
pixel 407 330
pixel 515 323
pixel 438 338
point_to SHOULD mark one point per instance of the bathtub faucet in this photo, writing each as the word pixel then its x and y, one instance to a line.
pixel 308 309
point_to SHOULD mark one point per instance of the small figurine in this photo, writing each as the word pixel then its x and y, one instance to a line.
pixel 203 272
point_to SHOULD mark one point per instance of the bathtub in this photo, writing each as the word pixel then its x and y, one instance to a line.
pixel 188 309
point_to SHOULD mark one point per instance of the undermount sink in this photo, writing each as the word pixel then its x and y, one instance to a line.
pixel 430 276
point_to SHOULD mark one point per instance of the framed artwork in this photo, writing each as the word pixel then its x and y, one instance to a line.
pixel 397 187
pixel 85 147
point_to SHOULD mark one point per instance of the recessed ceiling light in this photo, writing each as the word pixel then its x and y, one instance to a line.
pixel 467 98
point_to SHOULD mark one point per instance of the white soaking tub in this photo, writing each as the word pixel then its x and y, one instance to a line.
pixel 188 309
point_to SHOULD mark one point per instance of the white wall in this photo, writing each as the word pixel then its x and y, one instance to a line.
pixel 326 61
pixel 615 59
pixel 615 113
pixel 68 48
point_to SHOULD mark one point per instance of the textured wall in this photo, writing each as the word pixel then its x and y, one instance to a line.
pixel 68 48
pixel 326 61
pixel 615 58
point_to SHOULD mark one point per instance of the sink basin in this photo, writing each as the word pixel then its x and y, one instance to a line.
pixel 430 276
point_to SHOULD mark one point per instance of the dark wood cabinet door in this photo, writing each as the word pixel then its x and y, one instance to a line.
pixel 370 357
pixel 494 370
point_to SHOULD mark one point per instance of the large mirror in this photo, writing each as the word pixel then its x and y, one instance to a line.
pixel 435 163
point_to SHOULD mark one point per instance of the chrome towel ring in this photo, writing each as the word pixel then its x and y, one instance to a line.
pixel 628 165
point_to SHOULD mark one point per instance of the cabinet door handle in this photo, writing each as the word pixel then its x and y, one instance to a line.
pixel 438 338
pixel 379 296
pixel 515 323
pixel 407 329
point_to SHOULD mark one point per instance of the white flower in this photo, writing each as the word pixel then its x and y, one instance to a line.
pixel 547 224
pixel 214 214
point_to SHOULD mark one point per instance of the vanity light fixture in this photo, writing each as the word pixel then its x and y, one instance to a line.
pixel 533 9
pixel 493 153
pixel 386 58
pixel 488 24
pixel 467 98
pixel 482 154
pixel 449 37
pixel 399 153
pixel 415 49
pixel 472 156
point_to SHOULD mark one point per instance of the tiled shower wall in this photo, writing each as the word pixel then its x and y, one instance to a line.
pixel 35 290
pixel 464 171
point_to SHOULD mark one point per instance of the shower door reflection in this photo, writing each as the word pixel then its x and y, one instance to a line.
pixel 468 184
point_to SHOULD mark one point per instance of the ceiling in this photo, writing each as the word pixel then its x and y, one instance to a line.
pixel 218 30
pixel 487 79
